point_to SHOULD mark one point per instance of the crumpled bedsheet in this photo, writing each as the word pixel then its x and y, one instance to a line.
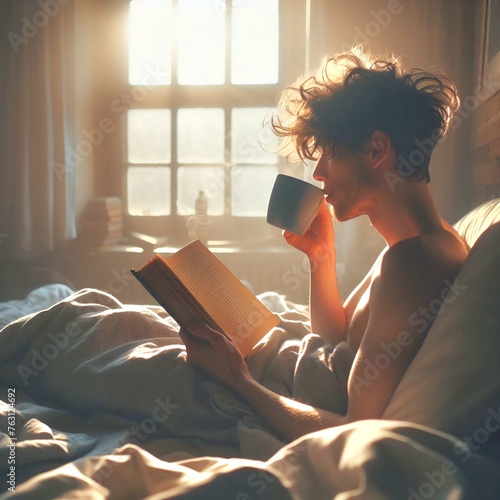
pixel 106 406
pixel 38 299
pixel 91 376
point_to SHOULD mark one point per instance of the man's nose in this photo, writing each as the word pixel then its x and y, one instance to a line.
pixel 318 173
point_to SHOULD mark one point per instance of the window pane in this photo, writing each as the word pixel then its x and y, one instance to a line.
pixel 251 140
pixel 251 189
pixel 200 135
pixel 148 135
pixel 255 42
pixel 201 42
pixel 149 42
pixel 148 190
pixel 192 180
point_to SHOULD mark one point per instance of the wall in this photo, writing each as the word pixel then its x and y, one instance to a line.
pixel 94 48
pixel 486 150
pixel 485 137
pixel 85 105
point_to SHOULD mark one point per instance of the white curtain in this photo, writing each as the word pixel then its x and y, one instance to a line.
pixel 37 188
pixel 428 34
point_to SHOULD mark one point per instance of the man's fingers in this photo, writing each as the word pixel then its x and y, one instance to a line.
pixel 323 208
pixel 186 337
pixel 204 332
pixel 291 238
pixel 190 339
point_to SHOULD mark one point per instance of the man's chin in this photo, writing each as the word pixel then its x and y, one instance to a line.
pixel 339 214
pixel 342 215
pixel 340 218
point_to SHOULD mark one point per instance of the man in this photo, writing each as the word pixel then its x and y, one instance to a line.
pixel 363 120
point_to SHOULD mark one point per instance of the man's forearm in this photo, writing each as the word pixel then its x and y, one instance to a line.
pixel 291 419
pixel 326 306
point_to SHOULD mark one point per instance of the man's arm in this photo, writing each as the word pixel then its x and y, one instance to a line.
pixel 328 318
pixel 290 419
pixel 411 278
pixel 326 308
pixel 213 353
pixel 325 300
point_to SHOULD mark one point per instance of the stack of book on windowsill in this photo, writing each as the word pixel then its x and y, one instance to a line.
pixel 102 223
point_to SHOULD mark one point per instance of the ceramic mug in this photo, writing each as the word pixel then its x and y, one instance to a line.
pixel 293 204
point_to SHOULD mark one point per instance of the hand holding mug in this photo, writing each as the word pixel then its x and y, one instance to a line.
pixel 299 208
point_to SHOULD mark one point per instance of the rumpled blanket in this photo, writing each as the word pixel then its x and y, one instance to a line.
pixel 91 376
pixel 38 299
pixel 106 407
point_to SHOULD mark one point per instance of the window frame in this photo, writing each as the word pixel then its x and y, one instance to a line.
pixel 116 93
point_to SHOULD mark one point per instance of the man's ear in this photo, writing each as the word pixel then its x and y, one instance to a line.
pixel 380 147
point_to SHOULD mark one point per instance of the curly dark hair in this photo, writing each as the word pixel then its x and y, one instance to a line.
pixel 353 94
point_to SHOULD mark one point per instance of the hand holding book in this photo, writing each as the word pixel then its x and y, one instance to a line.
pixel 211 352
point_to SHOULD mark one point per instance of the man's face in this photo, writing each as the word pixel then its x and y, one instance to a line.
pixel 348 182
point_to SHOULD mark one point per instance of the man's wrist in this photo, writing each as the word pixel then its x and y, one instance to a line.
pixel 243 383
pixel 322 257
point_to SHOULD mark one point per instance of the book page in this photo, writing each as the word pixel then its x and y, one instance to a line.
pixel 240 314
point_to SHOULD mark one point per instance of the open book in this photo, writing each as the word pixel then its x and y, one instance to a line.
pixel 193 284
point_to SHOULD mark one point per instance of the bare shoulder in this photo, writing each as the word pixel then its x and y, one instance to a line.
pixel 417 270
pixel 425 253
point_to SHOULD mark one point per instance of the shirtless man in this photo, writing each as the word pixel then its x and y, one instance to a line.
pixel 361 119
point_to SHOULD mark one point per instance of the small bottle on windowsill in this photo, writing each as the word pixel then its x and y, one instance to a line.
pixel 197 224
pixel 201 204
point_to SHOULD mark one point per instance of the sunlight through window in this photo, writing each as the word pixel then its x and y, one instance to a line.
pixel 212 137
pixel 255 42
pixel 201 43
pixel 200 135
pixel 149 135
pixel 148 190
pixel 150 42
pixel 252 139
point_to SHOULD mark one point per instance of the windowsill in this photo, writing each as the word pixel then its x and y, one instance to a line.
pixel 122 249
pixel 217 248
pixel 135 242
pixel 266 264
pixel 232 249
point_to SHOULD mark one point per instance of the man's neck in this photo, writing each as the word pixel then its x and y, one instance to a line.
pixel 404 213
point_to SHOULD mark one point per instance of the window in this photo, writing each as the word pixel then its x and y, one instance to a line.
pixel 205 75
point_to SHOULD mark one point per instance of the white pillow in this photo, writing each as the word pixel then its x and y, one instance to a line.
pixel 474 223
pixel 453 384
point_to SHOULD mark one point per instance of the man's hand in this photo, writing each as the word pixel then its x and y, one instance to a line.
pixel 212 353
pixel 319 239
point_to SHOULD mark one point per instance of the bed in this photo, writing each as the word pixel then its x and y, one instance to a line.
pixel 106 406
